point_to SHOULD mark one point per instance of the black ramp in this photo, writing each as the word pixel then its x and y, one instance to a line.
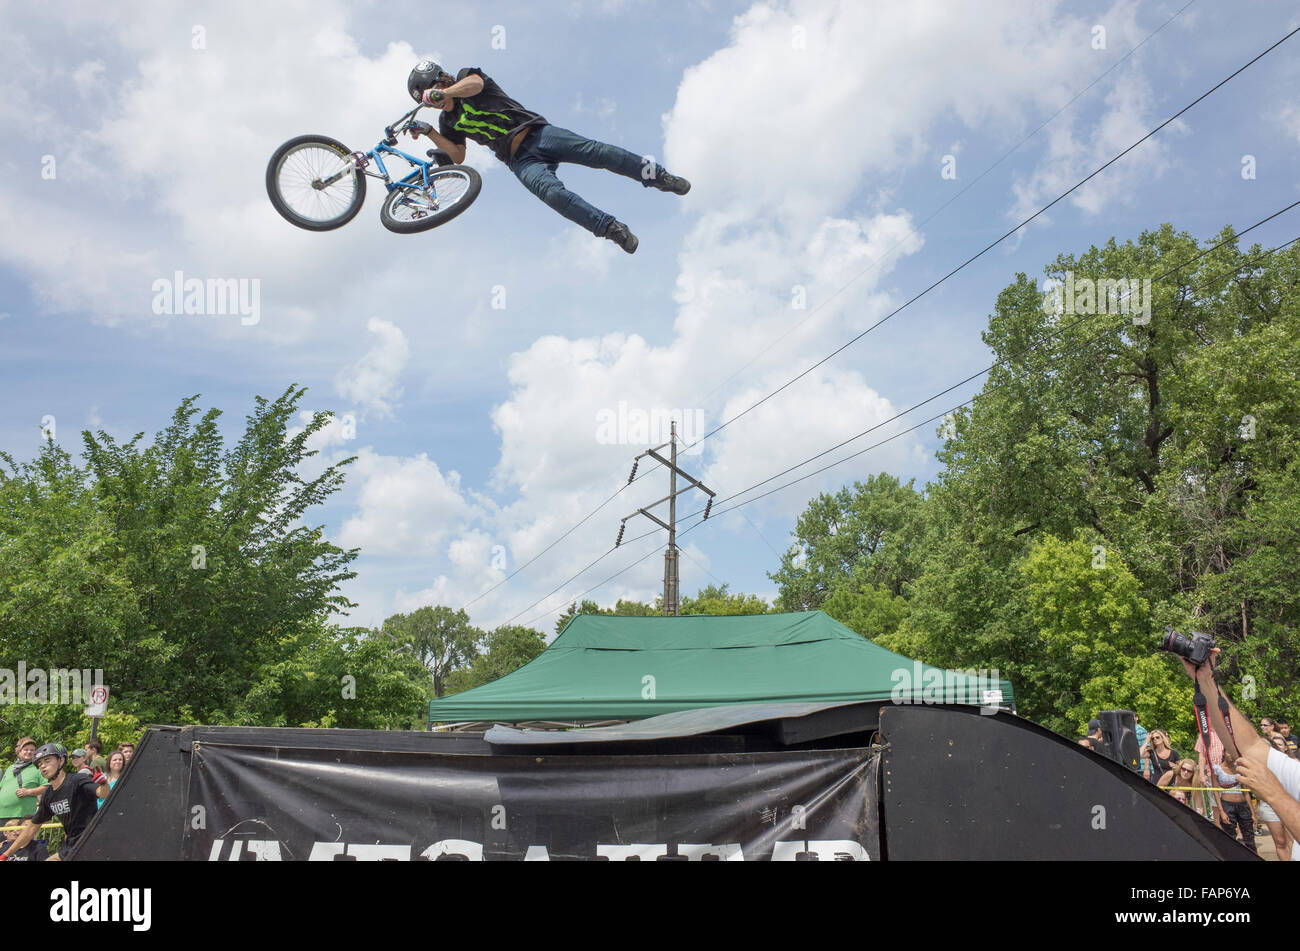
pixel 959 785
pixel 144 817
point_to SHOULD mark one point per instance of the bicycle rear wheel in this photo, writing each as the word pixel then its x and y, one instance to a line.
pixel 408 210
pixel 295 177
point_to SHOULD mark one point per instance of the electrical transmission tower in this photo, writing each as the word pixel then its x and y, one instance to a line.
pixel 671 599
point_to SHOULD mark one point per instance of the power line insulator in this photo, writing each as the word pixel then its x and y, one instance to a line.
pixel 621 529
pixel 635 463
pixel 707 505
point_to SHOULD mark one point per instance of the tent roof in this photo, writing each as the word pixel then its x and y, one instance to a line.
pixel 627 668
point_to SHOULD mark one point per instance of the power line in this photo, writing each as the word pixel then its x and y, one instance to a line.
pixel 998 241
pixel 931 287
pixel 1022 352
pixel 915 232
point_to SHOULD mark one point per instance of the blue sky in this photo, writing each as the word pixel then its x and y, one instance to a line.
pixel 815 135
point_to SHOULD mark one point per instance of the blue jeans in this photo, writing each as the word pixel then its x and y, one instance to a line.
pixel 546 146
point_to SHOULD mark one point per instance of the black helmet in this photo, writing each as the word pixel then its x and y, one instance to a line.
pixel 424 76
pixel 51 749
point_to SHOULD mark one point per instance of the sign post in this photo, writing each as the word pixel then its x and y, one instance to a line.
pixel 98 707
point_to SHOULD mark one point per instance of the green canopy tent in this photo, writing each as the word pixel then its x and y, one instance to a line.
pixel 628 668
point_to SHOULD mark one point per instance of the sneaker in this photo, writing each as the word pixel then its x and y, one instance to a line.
pixel 621 235
pixel 670 183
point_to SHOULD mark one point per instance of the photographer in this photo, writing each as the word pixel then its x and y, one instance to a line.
pixel 1274 777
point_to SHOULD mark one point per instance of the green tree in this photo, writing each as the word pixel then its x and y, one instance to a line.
pixel 717 600
pixel 440 638
pixel 504 650
pixel 860 535
pixel 176 567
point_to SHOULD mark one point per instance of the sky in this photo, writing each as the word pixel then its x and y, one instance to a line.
pixel 492 376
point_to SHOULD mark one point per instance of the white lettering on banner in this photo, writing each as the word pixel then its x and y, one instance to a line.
pixel 622 853
pixel 830 850
pixel 471 850
pixel 75 904
pixel 269 850
pixel 725 853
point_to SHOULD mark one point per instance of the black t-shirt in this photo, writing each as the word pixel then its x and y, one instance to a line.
pixel 74 804
pixel 1097 745
pixel 1161 766
pixel 491 118
pixel 33 851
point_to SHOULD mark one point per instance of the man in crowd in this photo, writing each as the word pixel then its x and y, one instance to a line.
pixel 95 754
pixel 1141 733
pixel 21 785
pixel 1292 747
pixel 1205 775
pixel 35 851
pixel 1273 776
pixel 1095 740
pixel 70 797
pixel 128 749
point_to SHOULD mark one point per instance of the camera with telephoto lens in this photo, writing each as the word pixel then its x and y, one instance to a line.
pixel 1195 648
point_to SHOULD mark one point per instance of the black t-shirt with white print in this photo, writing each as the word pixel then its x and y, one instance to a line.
pixel 491 118
pixel 74 804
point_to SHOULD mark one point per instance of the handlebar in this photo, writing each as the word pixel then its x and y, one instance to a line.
pixel 400 125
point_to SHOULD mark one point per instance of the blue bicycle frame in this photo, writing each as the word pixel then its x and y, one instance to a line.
pixel 418 177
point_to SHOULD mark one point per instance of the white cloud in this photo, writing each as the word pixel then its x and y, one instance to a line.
pixel 1073 154
pixel 757 237
pixel 406 506
pixel 1288 117
pixel 374 381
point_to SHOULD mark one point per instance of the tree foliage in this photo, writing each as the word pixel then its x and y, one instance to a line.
pixel 1162 450
pixel 188 573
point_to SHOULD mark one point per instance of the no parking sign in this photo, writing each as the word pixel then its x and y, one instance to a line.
pixel 98 701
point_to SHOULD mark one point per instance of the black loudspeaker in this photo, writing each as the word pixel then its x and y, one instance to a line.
pixel 1119 727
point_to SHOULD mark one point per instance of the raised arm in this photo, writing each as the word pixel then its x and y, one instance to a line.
pixel 1241 740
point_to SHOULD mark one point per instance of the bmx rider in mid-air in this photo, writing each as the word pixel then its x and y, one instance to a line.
pixel 474 107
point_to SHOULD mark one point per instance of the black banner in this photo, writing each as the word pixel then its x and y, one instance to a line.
pixel 276 804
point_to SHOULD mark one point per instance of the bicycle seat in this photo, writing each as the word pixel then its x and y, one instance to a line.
pixel 441 157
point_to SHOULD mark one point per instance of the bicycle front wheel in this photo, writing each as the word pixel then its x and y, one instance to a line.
pixel 452 189
pixel 297 177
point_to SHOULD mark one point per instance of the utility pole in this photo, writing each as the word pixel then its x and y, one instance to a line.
pixel 671 581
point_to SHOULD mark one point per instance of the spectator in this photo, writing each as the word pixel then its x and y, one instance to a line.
pixel 21 785
pixel 1292 748
pixel 1141 732
pixel 68 797
pixel 1266 727
pixel 95 750
pixel 1158 757
pixel 79 764
pixel 34 851
pixel 1095 740
pixel 1233 803
pixel 1205 777
pixel 1274 778
pixel 128 750
pixel 116 763
pixel 1282 840
pixel 1184 775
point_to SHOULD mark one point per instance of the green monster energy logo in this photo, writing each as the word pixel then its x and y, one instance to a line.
pixel 480 126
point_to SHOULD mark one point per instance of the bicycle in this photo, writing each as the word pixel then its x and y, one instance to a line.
pixel 317 183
